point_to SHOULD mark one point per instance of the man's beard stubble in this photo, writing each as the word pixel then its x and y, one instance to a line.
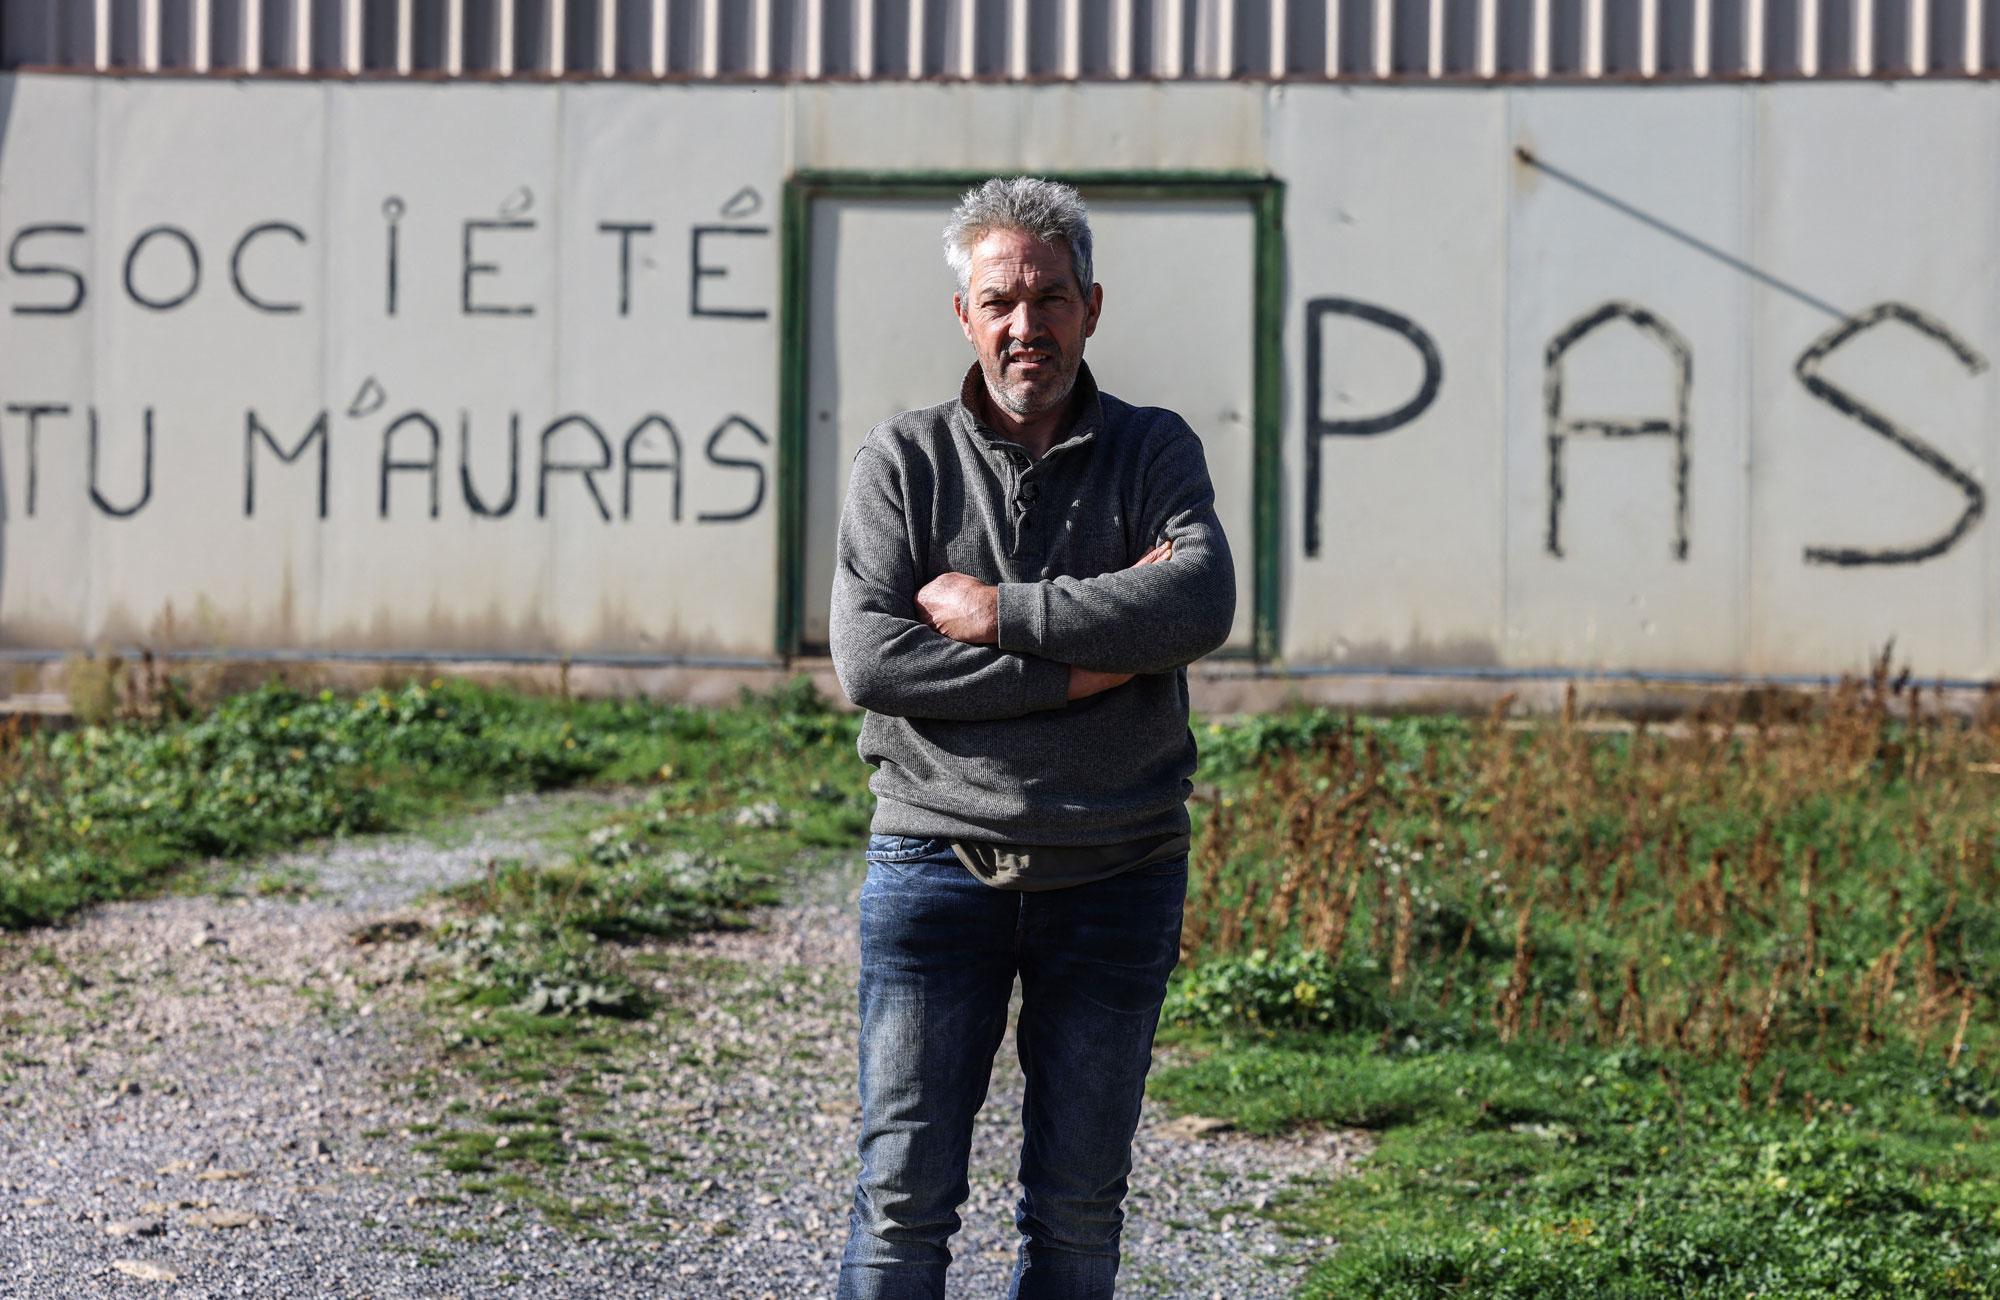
pixel 1021 410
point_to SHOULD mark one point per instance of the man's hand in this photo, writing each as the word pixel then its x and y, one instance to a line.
pixel 962 607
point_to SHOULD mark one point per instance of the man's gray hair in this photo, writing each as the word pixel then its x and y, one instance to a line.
pixel 1048 210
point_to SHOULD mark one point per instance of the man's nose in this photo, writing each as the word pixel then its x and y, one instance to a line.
pixel 1025 324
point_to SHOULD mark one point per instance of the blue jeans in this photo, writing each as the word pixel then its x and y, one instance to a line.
pixel 939 953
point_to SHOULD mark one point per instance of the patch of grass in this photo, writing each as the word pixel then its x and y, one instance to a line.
pixel 106 810
pixel 483 1151
pixel 540 1110
pixel 284 882
pixel 1708 1013
pixel 1530 1170
pixel 117 806
pixel 609 1143
pixel 735 797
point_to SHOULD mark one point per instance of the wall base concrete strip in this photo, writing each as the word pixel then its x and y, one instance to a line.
pixel 1218 690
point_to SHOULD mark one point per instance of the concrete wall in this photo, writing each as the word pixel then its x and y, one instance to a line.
pixel 1697 383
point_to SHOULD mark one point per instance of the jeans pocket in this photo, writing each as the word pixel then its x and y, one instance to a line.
pixel 903 848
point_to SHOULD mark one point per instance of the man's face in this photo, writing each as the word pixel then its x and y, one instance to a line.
pixel 1026 319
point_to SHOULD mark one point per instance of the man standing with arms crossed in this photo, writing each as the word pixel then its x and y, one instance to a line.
pixel 1022 576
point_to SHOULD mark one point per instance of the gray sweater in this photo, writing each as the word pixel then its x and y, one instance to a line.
pixel 981 741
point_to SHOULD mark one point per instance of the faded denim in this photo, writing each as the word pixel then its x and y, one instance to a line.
pixel 940 951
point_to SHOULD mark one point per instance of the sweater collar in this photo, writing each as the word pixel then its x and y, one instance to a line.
pixel 1089 420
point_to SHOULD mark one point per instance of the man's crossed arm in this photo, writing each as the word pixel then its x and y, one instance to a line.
pixel 1149 617
pixel 963 608
pixel 965 650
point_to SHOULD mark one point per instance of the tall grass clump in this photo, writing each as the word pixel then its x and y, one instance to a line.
pixel 1716 887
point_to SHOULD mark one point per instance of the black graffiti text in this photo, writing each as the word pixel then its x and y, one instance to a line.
pixel 621 472
pixel 269 267
pixel 34 415
pixel 1561 425
pixel 1318 426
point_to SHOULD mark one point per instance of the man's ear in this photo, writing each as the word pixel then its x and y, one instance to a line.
pixel 1093 303
pixel 964 325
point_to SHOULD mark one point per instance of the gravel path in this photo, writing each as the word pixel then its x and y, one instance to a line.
pixel 208 1096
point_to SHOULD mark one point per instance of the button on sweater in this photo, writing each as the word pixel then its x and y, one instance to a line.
pixel 980 742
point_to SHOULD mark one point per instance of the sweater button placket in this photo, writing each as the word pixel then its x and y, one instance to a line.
pixel 1014 459
pixel 1024 493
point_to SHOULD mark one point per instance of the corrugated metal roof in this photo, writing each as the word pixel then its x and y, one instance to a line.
pixel 1011 40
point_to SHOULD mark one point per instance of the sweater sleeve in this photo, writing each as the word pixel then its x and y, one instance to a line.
pixel 1149 619
pixel 889 661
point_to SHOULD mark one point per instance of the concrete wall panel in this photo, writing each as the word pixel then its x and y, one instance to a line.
pixel 463 183
pixel 1879 233
pixel 210 277
pixel 667 338
pixel 1627 356
pixel 48 355
pixel 1395 556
